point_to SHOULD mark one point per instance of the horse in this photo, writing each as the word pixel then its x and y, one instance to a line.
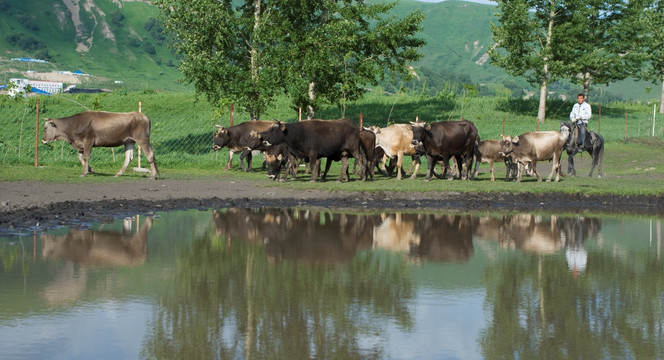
pixel 594 145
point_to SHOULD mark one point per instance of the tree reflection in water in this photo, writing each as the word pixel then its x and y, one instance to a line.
pixel 541 309
pixel 281 284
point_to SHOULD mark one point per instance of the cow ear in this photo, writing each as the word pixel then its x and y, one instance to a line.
pixel 282 126
pixel 428 127
pixel 51 123
pixel 515 139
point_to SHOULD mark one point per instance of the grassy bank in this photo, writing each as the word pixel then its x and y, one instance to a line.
pixel 182 130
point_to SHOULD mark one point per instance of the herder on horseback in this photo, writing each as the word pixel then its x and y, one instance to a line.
pixel 579 116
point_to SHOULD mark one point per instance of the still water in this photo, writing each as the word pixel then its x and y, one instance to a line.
pixel 298 284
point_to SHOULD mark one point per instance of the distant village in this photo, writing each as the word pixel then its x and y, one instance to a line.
pixel 23 86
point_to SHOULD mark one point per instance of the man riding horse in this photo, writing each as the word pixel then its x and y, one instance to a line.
pixel 579 116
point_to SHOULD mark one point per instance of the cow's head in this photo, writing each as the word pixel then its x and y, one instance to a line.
pixel 253 141
pixel 221 138
pixel 51 132
pixel 419 132
pixel 507 145
pixel 274 134
pixel 275 159
pixel 374 129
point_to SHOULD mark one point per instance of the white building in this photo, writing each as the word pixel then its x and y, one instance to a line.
pixel 38 86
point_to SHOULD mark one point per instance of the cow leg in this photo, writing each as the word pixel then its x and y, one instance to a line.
pixel 328 164
pixel 314 167
pixel 555 168
pixel 84 163
pixel 344 169
pixel 416 163
pixel 230 159
pixel 149 154
pixel 129 156
pixel 534 170
pixel 490 169
pixel 570 164
pixel 399 165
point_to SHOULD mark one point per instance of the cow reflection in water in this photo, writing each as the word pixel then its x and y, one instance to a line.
pixel 323 237
pixel 298 235
pixel 83 249
pixel 446 238
pixel 541 234
pixel 99 247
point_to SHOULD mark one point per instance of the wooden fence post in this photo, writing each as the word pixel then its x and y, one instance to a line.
pixel 503 126
pixel 37 135
pixel 599 119
pixel 625 125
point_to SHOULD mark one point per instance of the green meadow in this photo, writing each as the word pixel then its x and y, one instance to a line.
pixel 183 127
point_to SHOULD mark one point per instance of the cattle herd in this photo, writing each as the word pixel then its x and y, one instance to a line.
pixel 285 145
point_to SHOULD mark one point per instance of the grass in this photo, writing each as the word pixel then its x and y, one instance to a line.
pixel 182 130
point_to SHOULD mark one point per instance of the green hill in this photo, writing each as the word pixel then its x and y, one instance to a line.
pixel 120 44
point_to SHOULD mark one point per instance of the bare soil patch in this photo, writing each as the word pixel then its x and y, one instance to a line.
pixel 37 205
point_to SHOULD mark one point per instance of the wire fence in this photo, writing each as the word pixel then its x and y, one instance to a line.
pixel 178 141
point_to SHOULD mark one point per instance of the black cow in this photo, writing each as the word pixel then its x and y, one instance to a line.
pixel 238 139
pixel 446 139
pixel 316 139
pixel 594 145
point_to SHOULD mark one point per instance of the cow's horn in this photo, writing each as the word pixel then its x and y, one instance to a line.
pixel 218 126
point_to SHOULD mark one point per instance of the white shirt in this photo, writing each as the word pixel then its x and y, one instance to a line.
pixel 580 112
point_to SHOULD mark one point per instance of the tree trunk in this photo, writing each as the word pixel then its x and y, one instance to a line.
pixel 312 97
pixel 253 111
pixel 541 110
pixel 661 99
pixel 587 79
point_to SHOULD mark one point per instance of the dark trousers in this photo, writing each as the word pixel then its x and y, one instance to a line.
pixel 581 141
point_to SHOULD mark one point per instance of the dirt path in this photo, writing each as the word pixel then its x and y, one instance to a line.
pixel 33 204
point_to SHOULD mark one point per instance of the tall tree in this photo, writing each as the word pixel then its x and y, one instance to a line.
pixel 600 47
pixel 224 49
pixel 334 49
pixel 647 22
pixel 527 35
pixel 248 51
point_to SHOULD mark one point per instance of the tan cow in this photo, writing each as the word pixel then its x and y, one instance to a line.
pixel 488 151
pixel 103 129
pixel 396 140
pixel 536 146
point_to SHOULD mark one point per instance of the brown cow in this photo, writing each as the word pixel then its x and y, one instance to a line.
pixel 488 151
pixel 535 146
pixel 444 140
pixel 103 129
pixel 239 138
pixel 396 140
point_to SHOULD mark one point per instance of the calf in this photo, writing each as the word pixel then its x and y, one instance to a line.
pixel 536 146
pixel 488 151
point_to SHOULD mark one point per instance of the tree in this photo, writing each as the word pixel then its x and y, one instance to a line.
pixel 248 51
pixel 334 49
pixel 225 49
pixel 526 38
pixel 647 22
pixel 600 46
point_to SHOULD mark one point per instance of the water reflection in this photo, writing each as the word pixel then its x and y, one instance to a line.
pixel 297 283
pixel 100 247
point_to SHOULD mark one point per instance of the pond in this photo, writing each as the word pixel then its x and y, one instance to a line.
pixel 302 283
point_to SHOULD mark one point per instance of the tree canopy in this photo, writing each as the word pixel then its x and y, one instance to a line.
pixel 249 51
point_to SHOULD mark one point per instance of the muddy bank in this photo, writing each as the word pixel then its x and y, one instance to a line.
pixel 27 205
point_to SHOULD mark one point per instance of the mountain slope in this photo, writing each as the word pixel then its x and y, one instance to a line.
pixel 120 40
